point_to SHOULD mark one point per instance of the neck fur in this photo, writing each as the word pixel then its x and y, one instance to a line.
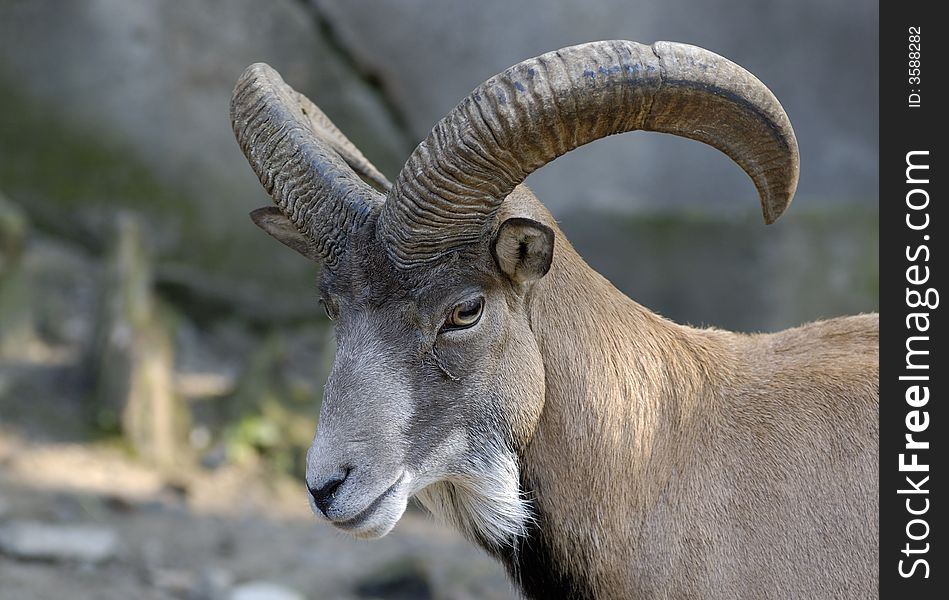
pixel 626 391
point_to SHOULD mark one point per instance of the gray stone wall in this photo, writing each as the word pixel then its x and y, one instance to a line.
pixel 819 58
pixel 117 104
pixel 111 104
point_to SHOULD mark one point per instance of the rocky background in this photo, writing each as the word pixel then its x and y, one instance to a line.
pixel 162 360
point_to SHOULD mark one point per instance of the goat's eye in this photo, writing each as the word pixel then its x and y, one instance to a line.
pixel 464 315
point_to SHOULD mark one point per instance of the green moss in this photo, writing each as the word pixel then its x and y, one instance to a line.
pixel 271 418
pixel 56 171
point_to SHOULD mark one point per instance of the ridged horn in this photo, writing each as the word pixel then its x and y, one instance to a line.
pixel 327 130
pixel 541 108
pixel 283 135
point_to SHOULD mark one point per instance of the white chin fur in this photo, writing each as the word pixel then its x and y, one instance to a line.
pixel 374 530
pixel 485 505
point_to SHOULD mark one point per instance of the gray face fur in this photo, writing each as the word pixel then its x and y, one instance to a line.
pixel 413 406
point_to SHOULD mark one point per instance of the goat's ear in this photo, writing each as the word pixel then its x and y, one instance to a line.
pixel 523 249
pixel 275 223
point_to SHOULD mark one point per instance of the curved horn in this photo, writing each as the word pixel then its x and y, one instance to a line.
pixel 541 108
pixel 300 170
pixel 327 130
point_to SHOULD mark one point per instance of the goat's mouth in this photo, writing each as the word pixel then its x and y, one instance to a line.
pixel 381 515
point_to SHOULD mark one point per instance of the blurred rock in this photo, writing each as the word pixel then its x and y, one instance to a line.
pixel 178 582
pixel 47 310
pixel 13 231
pixel 134 358
pixel 212 584
pixel 401 580
pixel 215 457
pixel 208 358
pixel 16 315
pixel 264 590
pixel 66 281
pixel 31 540
pixel 73 508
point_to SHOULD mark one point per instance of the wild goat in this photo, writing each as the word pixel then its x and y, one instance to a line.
pixel 595 448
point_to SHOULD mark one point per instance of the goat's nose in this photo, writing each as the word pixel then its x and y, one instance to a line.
pixel 323 492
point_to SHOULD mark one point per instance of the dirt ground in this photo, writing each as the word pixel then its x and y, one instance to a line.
pixel 203 534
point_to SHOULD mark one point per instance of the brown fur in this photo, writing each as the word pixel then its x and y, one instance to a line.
pixel 672 462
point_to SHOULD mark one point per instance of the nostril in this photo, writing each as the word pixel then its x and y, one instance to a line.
pixel 323 492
